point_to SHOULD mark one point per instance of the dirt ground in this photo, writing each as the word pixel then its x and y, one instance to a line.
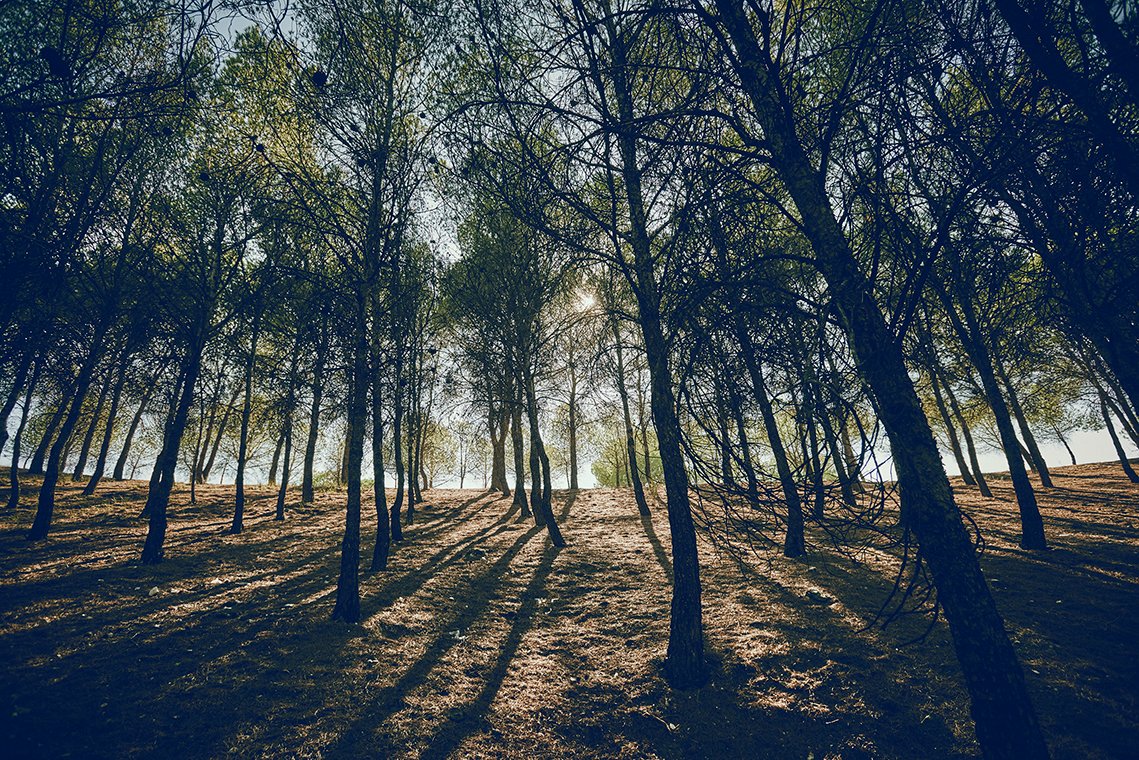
pixel 482 640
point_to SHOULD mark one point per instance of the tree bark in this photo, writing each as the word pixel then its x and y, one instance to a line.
pixel 128 440
pixel 17 440
pixel 109 430
pixel 158 499
pixel 347 607
pixel 1005 720
pixel 382 547
pixel 46 505
pixel 243 441
pixel 794 544
pixel 630 445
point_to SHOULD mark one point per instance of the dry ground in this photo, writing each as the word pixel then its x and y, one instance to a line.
pixel 484 640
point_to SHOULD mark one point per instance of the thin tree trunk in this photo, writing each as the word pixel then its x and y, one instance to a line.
pixel 382 547
pixel 275 462
pixel 109 430
pixel 243 442
pixel 128 440
pixel 630 445
pixel 40 456
pixel 397 445
pixel 1119 450
pixel 972 338
pixel 89 435
pixel 573 484
pixel 222 427
pixel 46 505
pixel 14 395
pixel 519 468
pixel 970 447
pixel 794 544
pixel 17 440
pixel 951 432
pixel 1034 454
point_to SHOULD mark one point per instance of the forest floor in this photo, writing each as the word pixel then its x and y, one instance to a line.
pixel 483 640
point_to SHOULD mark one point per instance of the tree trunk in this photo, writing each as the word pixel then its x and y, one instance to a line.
pixel 685 665
pixel 17 440
pixel 519 468
pixel 89 435
pixel 40 456
pixel 969 332
pixel 497 422
pixel 1022 422
pixel 542 481
pixel 109 430
pixel 1119 450
pixel 222 427
pixel 121 462
pixel 158 499
pixel 745 450
pixel 382 547
pixel 14 395
pixel 243 442
pixel 794 544
pixel 630 445
pixel 951 432
pixel 275 462
pixel 347 606
pixel 1005 720
pixel 573 485
pixel 286 462
pixel 970 447
pixel 307 492
pixel 397 445
pixel 46 505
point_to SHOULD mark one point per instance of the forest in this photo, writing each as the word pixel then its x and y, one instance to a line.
pixel 569 378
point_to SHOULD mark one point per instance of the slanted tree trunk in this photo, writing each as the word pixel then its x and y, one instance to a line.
pixel 14 394
pixel 794 544
pixel 17 440
pixel 1035 457
pixel 128 440
pixel 1005 720
pixel 951 432
pixel 46 505
pixel 162 482
pixel 40 456
pixel 275 462
pixel 89 436
pixel 109 429
pixel 970 447
pixel 969 332
pixel 222 427
pixel 1128 470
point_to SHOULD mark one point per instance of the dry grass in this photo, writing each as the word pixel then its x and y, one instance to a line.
pixel 484 640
